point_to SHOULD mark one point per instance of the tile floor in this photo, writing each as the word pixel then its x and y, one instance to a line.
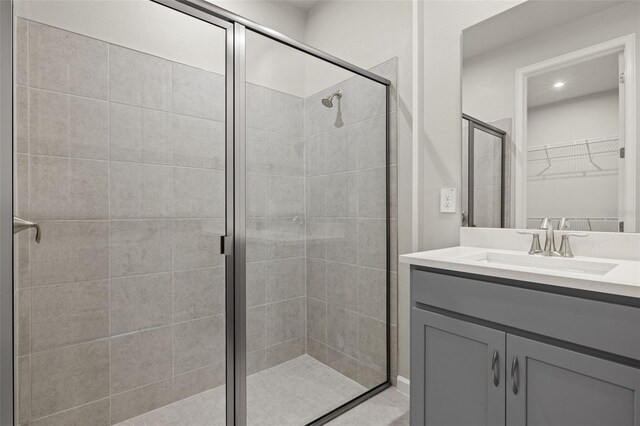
pixel 292 393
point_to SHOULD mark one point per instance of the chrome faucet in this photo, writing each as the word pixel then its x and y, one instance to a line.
pixel 535 242
pixel 550 241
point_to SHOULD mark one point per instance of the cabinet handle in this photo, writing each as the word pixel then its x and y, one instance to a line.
pixel 515 376
pixel 495 368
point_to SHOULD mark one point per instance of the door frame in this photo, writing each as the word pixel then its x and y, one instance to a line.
pixel 233 243
pixel 6 213
pixel 625 44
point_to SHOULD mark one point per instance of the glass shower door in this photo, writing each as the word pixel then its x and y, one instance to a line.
pixel 316 225
pixel 483 175
pixel 120 161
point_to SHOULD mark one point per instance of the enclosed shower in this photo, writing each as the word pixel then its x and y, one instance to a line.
pixel 214 220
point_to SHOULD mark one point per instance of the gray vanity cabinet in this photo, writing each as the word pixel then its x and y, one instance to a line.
pixel 556 386
pixel 475 361
pixel 461 369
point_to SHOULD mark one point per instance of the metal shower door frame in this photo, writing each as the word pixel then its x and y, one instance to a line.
pixel 234 242
pixel 6 213
pixel 474 124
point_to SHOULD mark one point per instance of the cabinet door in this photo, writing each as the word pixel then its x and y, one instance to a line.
pixel 553 386
pixel 457 372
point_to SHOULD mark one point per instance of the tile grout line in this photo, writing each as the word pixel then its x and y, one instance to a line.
pixel 173 253
pixel 264 103
pixel 122 277
pixel 110 161
pixel 163 111
pixel 109 223
pixel 129 333
pixel 66 410
pixel 305 207
pixel 28 118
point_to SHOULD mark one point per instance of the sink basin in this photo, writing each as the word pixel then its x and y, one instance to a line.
pixel 547 263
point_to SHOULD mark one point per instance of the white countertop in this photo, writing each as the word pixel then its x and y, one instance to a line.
pixel 622 280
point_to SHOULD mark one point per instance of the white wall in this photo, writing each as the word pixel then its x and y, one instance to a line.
pixel 278 15
pixel 271 64
pixel 565 197
pixel 438 126
pixel 586 117
pixel 365 33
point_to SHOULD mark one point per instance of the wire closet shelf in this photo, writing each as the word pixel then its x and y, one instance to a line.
pixel 582 157
pixel 600 224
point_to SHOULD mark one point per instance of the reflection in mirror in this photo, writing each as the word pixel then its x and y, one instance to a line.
pixel 549 116
pixel 572 150
pixel 483 176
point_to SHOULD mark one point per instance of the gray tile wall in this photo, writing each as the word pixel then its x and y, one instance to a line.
pixel 346 229
pixel 120 308
pixel 275 228
pixel 487 180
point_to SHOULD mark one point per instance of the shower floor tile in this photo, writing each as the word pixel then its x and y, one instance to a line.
pixel 292 393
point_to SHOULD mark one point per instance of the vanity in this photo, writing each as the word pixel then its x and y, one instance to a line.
pixel 500 337
pixel 543 328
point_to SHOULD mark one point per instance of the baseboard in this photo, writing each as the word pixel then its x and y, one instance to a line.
pixel 403 385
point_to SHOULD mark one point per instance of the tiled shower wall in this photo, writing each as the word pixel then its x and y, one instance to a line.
pixel 120 158
pixel 120 308
pixel 346 228
pixel 275 228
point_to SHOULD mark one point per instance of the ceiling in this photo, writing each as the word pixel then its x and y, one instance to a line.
pixel 525 20
pixel 304 5
pixel 582 79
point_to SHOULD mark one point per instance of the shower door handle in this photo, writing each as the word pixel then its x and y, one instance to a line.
pixel 226 245
pixel 21 225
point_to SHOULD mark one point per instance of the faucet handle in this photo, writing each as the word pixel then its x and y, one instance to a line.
pixel 564 224
pixel 535 242
pixel 546 223
pixel 565 247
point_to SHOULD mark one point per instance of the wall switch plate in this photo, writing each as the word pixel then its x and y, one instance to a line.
pixel 447 200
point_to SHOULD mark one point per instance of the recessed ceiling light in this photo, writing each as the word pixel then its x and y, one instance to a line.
pixel 558 84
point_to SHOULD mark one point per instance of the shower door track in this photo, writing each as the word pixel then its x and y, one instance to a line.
pixel 235 27
pixel 225 15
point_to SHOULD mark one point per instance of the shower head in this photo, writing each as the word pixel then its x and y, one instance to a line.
pixel 328 101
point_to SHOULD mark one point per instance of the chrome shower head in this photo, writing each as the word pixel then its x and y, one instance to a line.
pixel 328 101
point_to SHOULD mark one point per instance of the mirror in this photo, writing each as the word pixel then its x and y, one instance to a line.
pixel 549 117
